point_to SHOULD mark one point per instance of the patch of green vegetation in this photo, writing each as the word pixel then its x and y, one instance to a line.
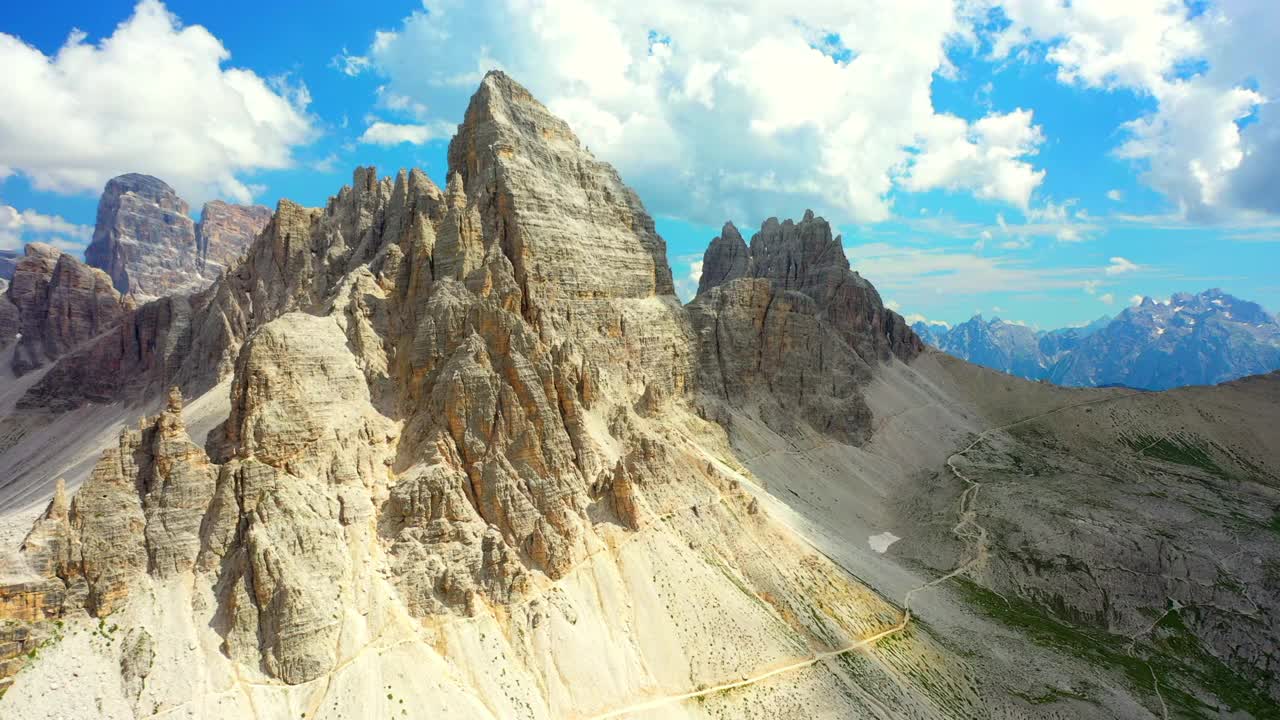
pixel 1275 523
pixel 1178 651
pixel 1178 451
pixel 1171 656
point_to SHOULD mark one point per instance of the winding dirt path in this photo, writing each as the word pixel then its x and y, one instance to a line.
pixel 798 665
pixel 967 529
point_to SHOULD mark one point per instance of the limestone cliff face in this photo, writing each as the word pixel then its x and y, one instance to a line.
pixel 466 468
pixel 225 232
pixel 789 333
pixel 54 304
pixel 145 240
pixel 459 375
pixel 803 257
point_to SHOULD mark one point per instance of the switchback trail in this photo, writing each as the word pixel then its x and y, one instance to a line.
pixel 967 529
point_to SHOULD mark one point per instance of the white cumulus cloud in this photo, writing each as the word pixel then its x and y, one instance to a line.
pixel 154 97
pixel 1120 266
pixel 687 284
pixel 716 110
pixel 385 133
pixel 20 226
pixel 987 158
pixel 1208 69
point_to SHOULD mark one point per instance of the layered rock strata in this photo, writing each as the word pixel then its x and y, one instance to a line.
pixel 145 240
pixel 53 304
pixel 458 374
pixel 789 334
pixel 225 232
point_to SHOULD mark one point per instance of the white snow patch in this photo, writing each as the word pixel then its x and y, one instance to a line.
pixel 880 543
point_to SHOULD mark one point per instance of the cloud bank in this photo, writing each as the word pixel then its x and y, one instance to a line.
pixel 153 97
pixel 718 110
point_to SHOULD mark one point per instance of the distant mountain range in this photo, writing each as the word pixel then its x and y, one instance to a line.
pixel 1190 339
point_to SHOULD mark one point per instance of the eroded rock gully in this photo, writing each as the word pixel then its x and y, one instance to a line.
pixel 449 388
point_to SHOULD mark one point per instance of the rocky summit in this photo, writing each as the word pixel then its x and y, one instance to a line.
pixel 54 303
pixel 461 452
pixel 787 331
pixel 145 241
pixel 1189 339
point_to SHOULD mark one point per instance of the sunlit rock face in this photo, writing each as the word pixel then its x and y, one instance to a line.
pixel 443 386
pixel 471 458
pixel 224 233
pixel 149 246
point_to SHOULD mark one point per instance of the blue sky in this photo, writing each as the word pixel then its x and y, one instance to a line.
pixel 1040 161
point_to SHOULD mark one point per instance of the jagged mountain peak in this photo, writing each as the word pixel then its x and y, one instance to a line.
pixel 805 257
pixel 145 240
pixel 467 435
pixel 500 114
pixel 789 333
pixel 147 186
pixel 565 220
pixel 1191 338
pixel 794 253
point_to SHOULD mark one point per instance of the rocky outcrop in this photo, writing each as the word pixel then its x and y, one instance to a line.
pixel 803 257
pixel 789 333
pixel 143 237
pixel 509 142
pixel 468 460
pixel 149 246
pixel 224 232
pixel 767 351
pixel 54 304
pixel 410 366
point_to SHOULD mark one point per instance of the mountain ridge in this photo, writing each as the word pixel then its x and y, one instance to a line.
pixel 1190 339
pixel 426 453
pixel 146 242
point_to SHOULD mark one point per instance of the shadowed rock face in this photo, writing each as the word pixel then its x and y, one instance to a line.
pixel 54 304
pixel 803 257
pixel 143 238
pixel 149 246
pixel 789 333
